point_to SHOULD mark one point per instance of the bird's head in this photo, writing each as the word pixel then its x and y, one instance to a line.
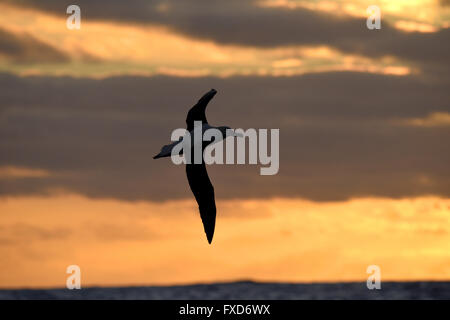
pixel 209 95
pixel 206 98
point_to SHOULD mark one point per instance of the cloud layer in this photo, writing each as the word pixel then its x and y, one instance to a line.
pixel 23 48
pixel 245 23
pixel 342 135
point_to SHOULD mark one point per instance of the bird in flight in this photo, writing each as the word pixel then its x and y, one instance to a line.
pixel 197 175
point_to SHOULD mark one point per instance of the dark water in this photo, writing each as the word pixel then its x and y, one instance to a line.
pixel 247 290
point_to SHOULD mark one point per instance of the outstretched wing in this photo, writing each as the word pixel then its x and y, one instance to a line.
pixel 197 112
pixel 166 151
pixel 203 192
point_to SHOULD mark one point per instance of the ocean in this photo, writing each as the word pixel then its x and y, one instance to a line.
pixel 245 290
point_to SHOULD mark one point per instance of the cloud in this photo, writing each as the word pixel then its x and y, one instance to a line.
pixel 337 138
pixel 11 172
pixel 69 218
pixel 150 50
pixel 414 26
pixel 113 232
pixel 23 48
pixel 436 119
pixel 23 233
pixel 244 23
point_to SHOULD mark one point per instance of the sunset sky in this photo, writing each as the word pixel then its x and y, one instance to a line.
pixel 364 119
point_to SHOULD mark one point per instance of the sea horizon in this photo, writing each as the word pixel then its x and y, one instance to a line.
pixel 243 290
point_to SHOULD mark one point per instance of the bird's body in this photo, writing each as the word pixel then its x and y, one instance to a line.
pixel 197 175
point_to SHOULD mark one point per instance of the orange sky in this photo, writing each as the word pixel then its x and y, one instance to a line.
pixel 123 243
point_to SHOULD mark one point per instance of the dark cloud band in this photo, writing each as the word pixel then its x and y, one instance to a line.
pixel 337 135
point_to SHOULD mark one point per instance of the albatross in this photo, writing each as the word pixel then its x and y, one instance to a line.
pixel 197 175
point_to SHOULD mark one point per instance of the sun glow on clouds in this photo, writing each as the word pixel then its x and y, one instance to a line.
pixel 101 49
pixel 435 119
pixel 120 243
pixel 13 172
pixel 411 26
pixel 407 15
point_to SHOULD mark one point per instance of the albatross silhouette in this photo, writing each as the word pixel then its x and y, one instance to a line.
pixel 197 175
